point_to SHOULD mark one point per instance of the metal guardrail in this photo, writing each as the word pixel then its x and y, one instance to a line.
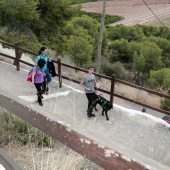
pixel 113 80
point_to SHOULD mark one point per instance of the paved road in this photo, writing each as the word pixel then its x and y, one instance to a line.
pixel 135 130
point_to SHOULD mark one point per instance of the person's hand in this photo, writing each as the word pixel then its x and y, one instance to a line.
pixel 50 59
pixel 32 85
pixel 97 86
pixel 44 74
pixel 88 89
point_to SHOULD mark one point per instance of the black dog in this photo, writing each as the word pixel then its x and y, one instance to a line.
pixel 104 103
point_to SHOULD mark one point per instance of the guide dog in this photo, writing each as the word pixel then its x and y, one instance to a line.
pixel 104 103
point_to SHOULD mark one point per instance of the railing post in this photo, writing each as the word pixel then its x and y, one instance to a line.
pixel 59 73
pixel 112 88
pixel 17 57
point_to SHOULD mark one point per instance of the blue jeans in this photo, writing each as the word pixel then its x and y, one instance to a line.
pixel 47 78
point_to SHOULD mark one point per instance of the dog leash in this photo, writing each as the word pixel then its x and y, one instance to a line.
pixel 104 103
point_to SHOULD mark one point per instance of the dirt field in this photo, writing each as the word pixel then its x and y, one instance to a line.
pixel 156 23
pixel 133 11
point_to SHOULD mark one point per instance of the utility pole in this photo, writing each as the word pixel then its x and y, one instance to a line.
pixel 100 37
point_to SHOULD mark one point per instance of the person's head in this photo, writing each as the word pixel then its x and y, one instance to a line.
pixel 90 69
pixel 41 63
pixel 43 50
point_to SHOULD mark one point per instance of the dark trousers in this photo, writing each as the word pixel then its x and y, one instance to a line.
pixel 91 98
pixel 40 90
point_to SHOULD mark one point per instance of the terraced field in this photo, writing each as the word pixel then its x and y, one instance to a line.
pixel 133 11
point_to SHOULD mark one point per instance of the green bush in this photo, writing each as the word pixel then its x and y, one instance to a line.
pixel 82 1
pixel 13 128
pixel 116 68
pixel 108 18
pixel 165 104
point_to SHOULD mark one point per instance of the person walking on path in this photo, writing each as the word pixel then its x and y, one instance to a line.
pixel 47 78
pixel 88 83
pixel 38 79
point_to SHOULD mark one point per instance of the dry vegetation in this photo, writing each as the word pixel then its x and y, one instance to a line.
pixel 60 157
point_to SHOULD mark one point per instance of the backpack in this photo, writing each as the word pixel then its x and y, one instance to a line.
pixel 166 118
pixel 29 77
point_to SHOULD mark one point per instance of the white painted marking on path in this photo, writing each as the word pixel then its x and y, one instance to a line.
pixel 79 91
pixel 2 168
pixel 33 98
pixel 132 112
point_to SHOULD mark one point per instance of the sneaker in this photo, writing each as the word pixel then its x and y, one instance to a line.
pixel 89 115
pixel 92 115
pixel 40 103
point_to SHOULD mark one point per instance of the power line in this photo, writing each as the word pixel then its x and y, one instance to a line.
pixel 154 13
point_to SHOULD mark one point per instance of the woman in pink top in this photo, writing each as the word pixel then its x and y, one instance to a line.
pixel 38 79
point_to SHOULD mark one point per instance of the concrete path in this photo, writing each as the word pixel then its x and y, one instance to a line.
pixel 143 133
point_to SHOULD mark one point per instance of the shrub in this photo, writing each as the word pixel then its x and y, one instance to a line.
pixel 13 128
pixel 108 18
pixel 116 68
pixel 165 104
pixel 81 1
